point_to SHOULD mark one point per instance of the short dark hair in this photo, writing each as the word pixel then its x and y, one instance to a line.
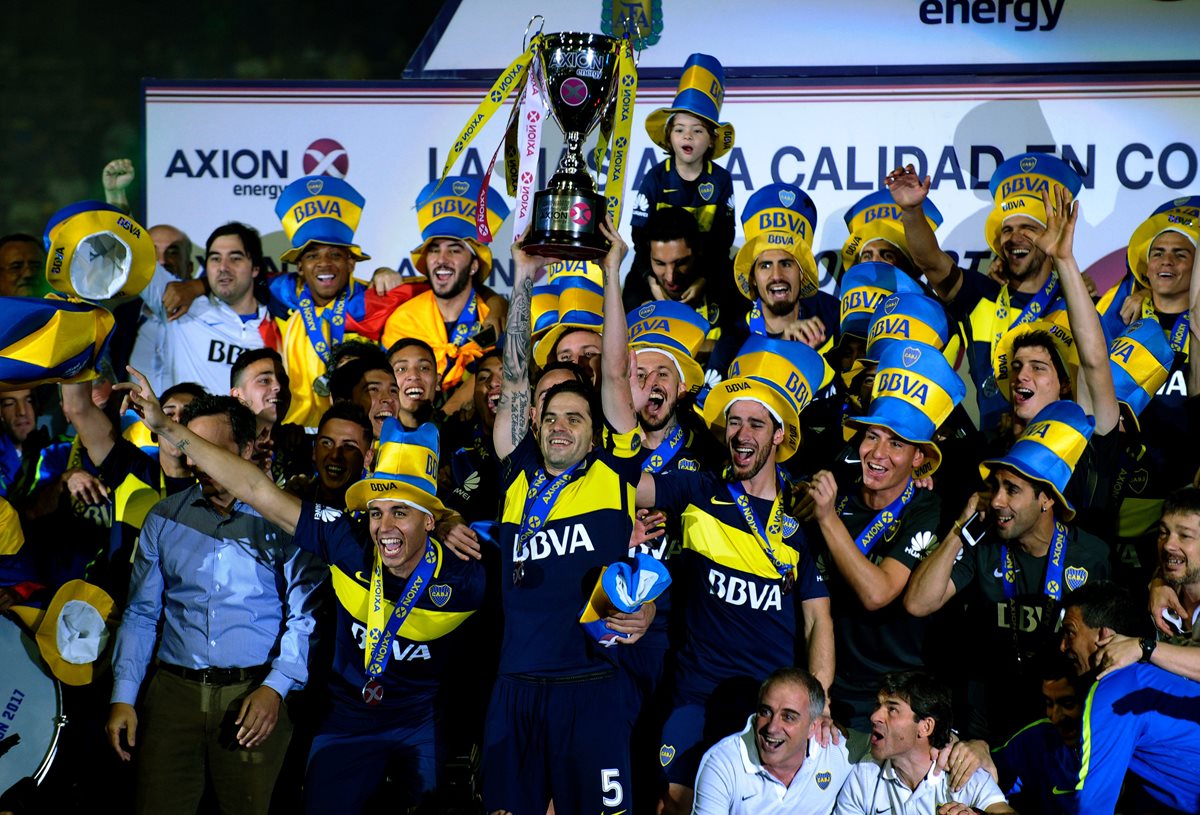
pixel 251 241
pixel 672 224
pixel 348 412
pixel 1053 665
pixel 20 237
pixel 797 676
pixel 343 352
pixel 586 391
pixel 192 389
pixel 575 329
pixel 1105 604
pixel 709 126
pixel 241 418
pixel 492 353
pixel 248 358
pixel 343 380
pixel 1042 339
pixel 564 365
pixel 405 342
pixel 1183 501
pixel 928 698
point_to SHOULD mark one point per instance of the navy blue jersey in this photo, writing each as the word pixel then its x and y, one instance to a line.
pixel 424 647
pixel 587 527
pixel 738 620
pixel 819 304
pixel 709 199
pixel 1032 763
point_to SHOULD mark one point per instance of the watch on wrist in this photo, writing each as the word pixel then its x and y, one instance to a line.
pixel 1148 645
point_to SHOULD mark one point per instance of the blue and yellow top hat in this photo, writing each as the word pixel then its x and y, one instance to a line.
pixel 877 217
pixel 1049 449
pixel 1141 360
pixel 862 290
pixel 701 91
pixel 908 317
pixel 1054 324
pixel 544 308
pixel 1180 215
pixel 781 375
pixel 406 469
pixel 580 306
pixel 50 340
pixel 671 328
pixel 915 391
pixel 448 211
pixel 320 209
pixel 1017 187
pixel 777 216
pixel 96 252
pixel 622 587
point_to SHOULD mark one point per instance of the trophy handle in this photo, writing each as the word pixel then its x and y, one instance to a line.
pixel 541 22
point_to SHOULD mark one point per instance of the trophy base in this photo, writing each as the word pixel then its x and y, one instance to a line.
pixel 566 225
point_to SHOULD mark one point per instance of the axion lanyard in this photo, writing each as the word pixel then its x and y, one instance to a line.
pixel 770 537
pixel 379 636
pixel 543 492
pixel 1035 309
pixel 1177 336
pixel 665 452
pixel 1056 562
pixel 881 527
pixel 468 324
pixel 335 315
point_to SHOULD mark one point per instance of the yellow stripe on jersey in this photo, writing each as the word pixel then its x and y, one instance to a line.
pixel 730 546
pixel 422 624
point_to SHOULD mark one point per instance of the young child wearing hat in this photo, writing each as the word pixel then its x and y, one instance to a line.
pixel 693 136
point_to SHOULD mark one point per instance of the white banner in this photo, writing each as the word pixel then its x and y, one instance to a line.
pixel 224 153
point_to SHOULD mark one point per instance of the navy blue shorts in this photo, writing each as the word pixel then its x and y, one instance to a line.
pixel 566 739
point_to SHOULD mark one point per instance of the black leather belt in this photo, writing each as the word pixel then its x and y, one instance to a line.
pixel 217 676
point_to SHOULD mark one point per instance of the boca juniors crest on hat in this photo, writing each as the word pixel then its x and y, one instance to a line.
pixel 1056 326
pixel 781 375
pixel 1141 360
pixel 674 329
pixel 701 91
pixel 908 317
pixel 50 340
pixel 448 211
pixel 406 469
pixel 1048 450
pixel 96 252
pixel 320 209
pixel 777 216
pixel 862 290
pixel 915 391
pixel 1179 215
pixel 1017 187
pixel 876 217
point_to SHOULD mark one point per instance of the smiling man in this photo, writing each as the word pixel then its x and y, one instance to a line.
pixel 401 603
pixel 985 308
pixel 912 719
pixel 414 366
pixel 342 452
pixel 776 764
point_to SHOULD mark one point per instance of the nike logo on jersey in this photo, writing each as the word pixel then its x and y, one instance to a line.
pixel 1057 791
pixel 546 542
pixel 361 578
pixel 738 591
pixel 997 573
pixel 717 502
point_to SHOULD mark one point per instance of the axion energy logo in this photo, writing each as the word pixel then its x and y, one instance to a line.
pixel 326 157
pixel 258 172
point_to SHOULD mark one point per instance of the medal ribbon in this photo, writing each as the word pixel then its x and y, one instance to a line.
pixel 468 324
pixel 1178 334
pixel 542 494
pixel 1056 562
pixel 334 314
pixel 665 451
pixel 529 141
pixel 614 184
pixel 884 523
pixel 1035 309
pixel 756 321
pixel 770 537
pixel 380 637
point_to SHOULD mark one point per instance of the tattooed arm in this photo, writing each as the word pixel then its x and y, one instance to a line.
pixel 512 412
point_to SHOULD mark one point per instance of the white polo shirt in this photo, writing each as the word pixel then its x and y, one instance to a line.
pixel 732 781
pixel 202 345
pixel 875 788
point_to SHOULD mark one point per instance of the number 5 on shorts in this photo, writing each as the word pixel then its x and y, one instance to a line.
pixel 610 783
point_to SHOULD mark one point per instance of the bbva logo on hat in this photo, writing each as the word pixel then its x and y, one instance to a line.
pixel 915 390
pixel 73 632
pixel 674 329
pixel 448 210
pixel 876 217
pixel 701 92
pixel 1141 360
pixel 50 340
pixel 320 209
pixel 863 288
pixel 907 317
pixel 1048 450
pixel 777 216
pixel 1179 215
pixel 1056 326
pixel 96 252
pixel 1017 187
pixel 406 470
pixel 781 375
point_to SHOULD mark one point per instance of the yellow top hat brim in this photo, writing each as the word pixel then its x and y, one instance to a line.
pixel 933 455
pixel 725 393
pixel 481 250
pixel 1033 209
pixel 656 129
pixel 887 231
pixel 47 630
pixel 1067 354
pixel 743 264
pixel 292 255
pixel 693 374
pixel 389 489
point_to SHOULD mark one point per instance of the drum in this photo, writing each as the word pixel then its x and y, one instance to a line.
pixel 30 708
